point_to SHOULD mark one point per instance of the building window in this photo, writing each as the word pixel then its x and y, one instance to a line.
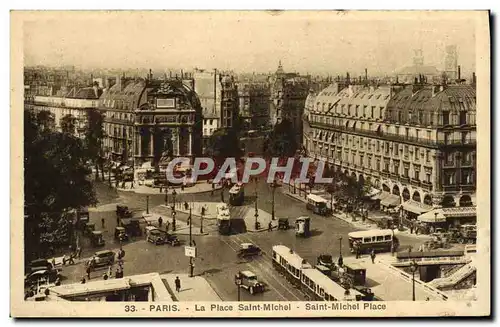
pixel 428 156
pixel 381 113
pixel 360 142
pixel 428 177
pixel 349 110
pixel 361 161
pixel 400 116
pixel 378 165
pixel 386 166
pixel 396 128
pixel 406 150
pixel 417 174
pixel 378 146
pixel 449 158
pixel 466 177
pixel 417 154
pixel 407 132
pixel 447 137
pixel 357 109
pixel 420 117
pixel 450 178
pixel 446 117
pixel 466 158
pixel 406 172
pixel 465 139
pixel 386 147
pixel 373 112
pixel 364 111
pixel 396 149
pixel 463 118
pixel 396 168
pixel 369 142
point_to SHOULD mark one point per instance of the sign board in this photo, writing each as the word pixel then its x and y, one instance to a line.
pixel 190 251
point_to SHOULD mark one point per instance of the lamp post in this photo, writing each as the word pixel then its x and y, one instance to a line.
pixel 273 185
pixel 341 260
pixel 256 208
pixel 166 195
pixel 147 204
pixel 201 223
pixel 173 211
pixel 238 281
pixel 191 265
pixel 413 267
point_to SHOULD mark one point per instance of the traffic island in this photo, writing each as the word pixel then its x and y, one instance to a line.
pixel 192 289
pixel 181 227
pixel 201 187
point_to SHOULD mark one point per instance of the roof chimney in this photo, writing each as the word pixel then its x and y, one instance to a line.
pixel 150 74
pixel 474 79
pixel 366 74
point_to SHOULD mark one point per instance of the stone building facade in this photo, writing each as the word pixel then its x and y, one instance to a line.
pixel 151 120
pixel 254 105
pixel 415 143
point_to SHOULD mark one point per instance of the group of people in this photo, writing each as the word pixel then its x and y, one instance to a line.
pixel 358 251
pixel 91 265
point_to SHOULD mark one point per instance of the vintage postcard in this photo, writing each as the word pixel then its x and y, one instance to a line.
pixel 250 164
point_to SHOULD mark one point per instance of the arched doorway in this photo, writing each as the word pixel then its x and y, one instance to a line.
pixel 428 200
pixel 361 179
pixel 396 191
pixel 386 188
pixel 416 196
pixel 346 173
pixel 448 201
pixel 353 175
pixel 465 201
pixel 406 194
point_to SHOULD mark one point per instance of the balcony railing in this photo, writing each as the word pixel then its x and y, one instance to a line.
pixel 415 182
pixel 467 187
pixel 405 179
pixel 391 136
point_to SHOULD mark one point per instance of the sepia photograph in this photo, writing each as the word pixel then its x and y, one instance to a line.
pixel 250 163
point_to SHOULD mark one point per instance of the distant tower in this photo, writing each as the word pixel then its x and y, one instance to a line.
pixel 229 102
pixel 418 57
pixel 451 62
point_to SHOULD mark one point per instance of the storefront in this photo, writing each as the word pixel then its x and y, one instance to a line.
pixel 412 209
pixel 449 217
pixel 389 202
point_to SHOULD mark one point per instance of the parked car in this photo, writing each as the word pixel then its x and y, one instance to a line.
pixel 325 260
pixel 283 224
pixel 172 240
pixel 121 234
pixel 102 258
pixel 157 236
pixel 96 238
pixel 248 280
pixel 39 264
pixel 44 275
pixel 248 250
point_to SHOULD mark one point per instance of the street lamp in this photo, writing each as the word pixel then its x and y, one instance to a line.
pixel 274 185
pixel 173 211
pixel 341 260
pixel 413 268
pixel 238 281
pixel 256 208
pixel 147 204
pixel 166 195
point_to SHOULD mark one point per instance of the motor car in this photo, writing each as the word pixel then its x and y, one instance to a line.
pixel 325 260
pixel 42 275
pixel 283 224
pixel 96 238
pixel 172 240
pixel 102 258
pixel 121 234
pixel 157 236
pixel 248 280
pixel 248 250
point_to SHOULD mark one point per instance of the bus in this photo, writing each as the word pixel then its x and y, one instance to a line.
pixel 379 240
pixel 318 205
pixel 223 219
pixel 237 195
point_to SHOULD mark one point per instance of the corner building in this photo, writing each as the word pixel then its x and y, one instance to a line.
pixel 148 120
pixel 415 143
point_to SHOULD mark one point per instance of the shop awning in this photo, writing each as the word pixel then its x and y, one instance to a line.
pixel 391 200
pixel 458 212
pixel 372 192
pixel 416 207
pixel 434 216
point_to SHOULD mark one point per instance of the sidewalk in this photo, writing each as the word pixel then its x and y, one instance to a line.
pixel 192 288
pixel 359 224
pixel 200 187
pixel 182 228
pixel 210 209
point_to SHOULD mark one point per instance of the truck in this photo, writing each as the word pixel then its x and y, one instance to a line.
pixel 223 219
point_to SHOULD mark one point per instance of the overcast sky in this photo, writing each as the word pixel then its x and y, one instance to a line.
pixel 305 42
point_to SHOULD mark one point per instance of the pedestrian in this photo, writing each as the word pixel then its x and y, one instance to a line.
pixel 203 210
pixel 340 262
pixel 428 299
pixel 358 250
pixel 177 284
pixel 83 280
pixel 58 281
pixel 132 184
pixel 117 274
pixel 392 249
pixel 79 252
pixel 161 189
pixel 372 255
pixel 160 221
pixel 186 206
pixel 105 276
pixel 270 227
pixel 411 229
pixel 102 223
pixel 182 187
pixel 89 269
pixel 167 226
pixel 71 259
pixel 53 262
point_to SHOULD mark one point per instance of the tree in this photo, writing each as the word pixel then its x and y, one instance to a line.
pixel 281 141
pixel 93 139
pixel 68 124
pixel 224 143
pixel 55 175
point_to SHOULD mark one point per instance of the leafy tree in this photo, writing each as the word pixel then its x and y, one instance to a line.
pixel 68 124
pixel 224 143
pixel 281 142
pixel 55 175
pixel 93 139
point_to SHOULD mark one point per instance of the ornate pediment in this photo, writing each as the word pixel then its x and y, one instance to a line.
pixel 165 88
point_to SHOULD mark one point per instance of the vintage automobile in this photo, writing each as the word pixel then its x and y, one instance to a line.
pixel 89 228
pixel 248 280
pixel 96 238
pixel 39 264
pixel 172 240
pixel 123 212
pixel 283 224
pixel 325 260
pixel 44 275
pixel 132 226
pixel 248 250
pixel 156 236
pixel 121 234
pixel 102 258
